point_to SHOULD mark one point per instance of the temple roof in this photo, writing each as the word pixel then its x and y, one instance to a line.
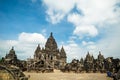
pixel 38 49
pixel 12 51
pixel 11 54
pixel 51 43
pixel 63 53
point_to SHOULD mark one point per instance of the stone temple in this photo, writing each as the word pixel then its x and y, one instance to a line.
pixel 48 57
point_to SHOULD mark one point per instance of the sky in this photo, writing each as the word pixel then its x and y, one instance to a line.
pixel 77 25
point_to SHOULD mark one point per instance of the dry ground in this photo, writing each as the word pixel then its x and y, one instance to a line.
pixel 57 75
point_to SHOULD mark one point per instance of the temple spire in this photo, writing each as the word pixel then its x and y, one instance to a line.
pixel 51 44
pixel 51 34
pixel 11 54
pixel 88 54
pixel 63 53
pixel 12 51
pixel 62 49
pixel 38 49
pixel 12 48
pixel 38 45
pixel 99 52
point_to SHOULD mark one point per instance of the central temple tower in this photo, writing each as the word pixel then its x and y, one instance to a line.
pixel 51 56
pixel 51 44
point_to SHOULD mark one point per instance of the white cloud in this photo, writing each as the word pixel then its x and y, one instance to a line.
pixel 78 51
pixel 82 29
pixel 57 9
pixel 44 32
pixel 73 50
pixel 31 38
pixel 94 12
pixel 110 44
pixel 88 30
pixel 84 43
pixel 54 17
pixel 25 45
pixel 74 18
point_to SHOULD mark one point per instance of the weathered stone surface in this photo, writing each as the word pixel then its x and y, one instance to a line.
pixel 11 59
pixel 89 64
pixel 11 54
pixel 11 73
pixel 49 57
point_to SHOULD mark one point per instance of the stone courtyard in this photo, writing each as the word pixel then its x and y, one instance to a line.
pixel 57 75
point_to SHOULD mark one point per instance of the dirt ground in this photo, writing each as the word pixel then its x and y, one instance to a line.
pixel 57 75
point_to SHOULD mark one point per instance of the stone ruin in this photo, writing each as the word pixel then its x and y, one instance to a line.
pixel 11 59
pixel 11 73
pixel 12 68
pixel 89 64
pixel 45 59
pixel 49 58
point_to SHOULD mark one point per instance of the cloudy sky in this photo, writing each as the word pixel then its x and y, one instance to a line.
pixel 79 25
